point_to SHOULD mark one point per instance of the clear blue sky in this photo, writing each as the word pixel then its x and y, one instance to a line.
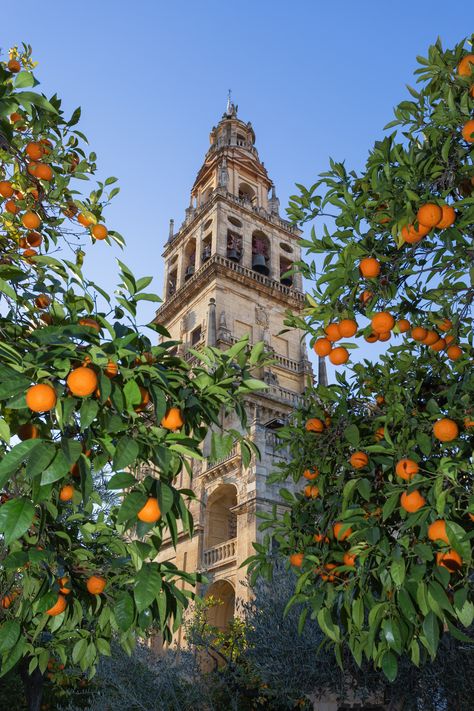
pixel 317 79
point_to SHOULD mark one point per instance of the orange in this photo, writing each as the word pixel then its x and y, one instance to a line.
pixel 29 253
pixel 58 607
pixel 366 296
pixel 66 492
pixel 90 323
pixel 385 336
pixel 14 66
pixel 296 559
pixel 42 301
pixel 34 239
pixel 429 215
pixel 468 131
pixel 339 356
pixel 369 267
pixel 96 584
pixel 173 420
pixel 338 535
pixel 8 600
pixel 31 167
pixel 318 537
pixel 359 460
pixel 403 325
pixel 445 430
pixel 379 433
pixel 438 345
pixel 450 560
pixel 347 327
pixel 41 397
pixel 311 491
pixel 332 332
pixel 412 502
pixel 322 347
pixel 84 221
pixel 454 352
pixel 31 221
pixel 28 431
pixel 11 207
pixel 43 172
pixel 380 400
pixel 412 234
pixel 445 325
pixel 382 322
pixel 99 231
pixel 329 566
pixel 437 531
pixel 431 338
pixel 371 338
pixel 34 150
pixel 466 65
pixel 6 189
pixel 419 333
pixel 349 560
pixel 311 474
pixel 468 422
pixel 82 381
pixel 111 369
pixel 448 217
pixel 64 585
pixel 145 399
pixel 314 425
pixel 150 513
pixel 406 469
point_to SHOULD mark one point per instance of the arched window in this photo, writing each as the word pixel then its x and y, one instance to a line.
pixel 221 520
pixel 260 252
pixel 221 614
pixel 189 259
pixel 234 246
pixel 206 195
pixel 285 266
pixel 172 282
pixel 247 193
pixel 206 248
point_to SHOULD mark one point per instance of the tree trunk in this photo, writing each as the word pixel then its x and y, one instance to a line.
pixel 33 685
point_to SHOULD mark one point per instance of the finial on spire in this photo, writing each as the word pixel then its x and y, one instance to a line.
pixel 229 102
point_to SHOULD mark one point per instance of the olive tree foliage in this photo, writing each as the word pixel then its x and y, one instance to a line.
pixel 54 320
pixel 382 581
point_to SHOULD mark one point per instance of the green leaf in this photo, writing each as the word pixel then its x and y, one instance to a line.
pixel 124 611
pixel 390 665
pixel 352 435
pixel 397 571
pixel 131 505
pixel 24 79
pixel 126 452
pixel 121 480
pixel 16 516
pixel 58 468
pixel 88 412
pixel 165 497
pixel 30 97
pixel 13 656
pixel 147 585
pixel 9 634
pixel 79 649
pixel 14 458
pixel 40 458
pixel 327 625
pixel 431 630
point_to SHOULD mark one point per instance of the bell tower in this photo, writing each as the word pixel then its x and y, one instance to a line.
pixel 227 275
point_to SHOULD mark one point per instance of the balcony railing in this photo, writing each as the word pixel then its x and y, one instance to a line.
pixel 221 554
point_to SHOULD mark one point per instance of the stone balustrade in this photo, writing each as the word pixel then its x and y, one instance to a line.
pixel 220 554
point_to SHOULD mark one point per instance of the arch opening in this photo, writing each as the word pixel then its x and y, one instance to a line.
pixel 260 252
pixel 221 614
pixel 221 520
pixel 189 259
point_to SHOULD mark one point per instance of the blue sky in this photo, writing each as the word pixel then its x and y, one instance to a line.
pixel 317 79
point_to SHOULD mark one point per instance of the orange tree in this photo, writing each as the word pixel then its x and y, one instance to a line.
pixel 381 533
pixel 88 407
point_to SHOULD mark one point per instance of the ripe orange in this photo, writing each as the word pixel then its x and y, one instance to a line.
pixel 403 325
pixel 379 433
pixel 431 338
pixel 42 301
pixel 412 234
pixel 468 131
pixel 372 337
pixel 11 207
pixel 322 347
pixel 445 325
pixel 83 220
pixel 64 585
pixel 41 397
pixel 406 469
pixel 6 189
pixel 438 345
pixel 82 381
pixel 90 323
pixel 311 491
pixel 419 333
pixel 34 150
pixel 448 217
pixel 34 239
pixel 466 65
pixel 369 267
pixel 366 296
pixel 359 460
pixel 8 600
pixel 150 513
pixel 318 537
pixel 99 231
pixel 29 253
pixel 14 66
pixel 429 214
pixel 296 559
pixel 445 430
pixel 382 322
pixel 329 566
pixel 347 327
pixel 311 474
pixel 96 584
pixel 412 502
pixel 111 369
pixel 385 336
pixel 468 422
pixel 339 356
pixel 31 221
pixel 66 492
pixel 337 531
pixel 314 425
pixel 58 607
pixel 31 167
pixel 173 420
pixel 349 559
pixel 454 352
pixel 28 431
pixel 450 560
pixel 437 531
pixel 44 172
pixel 332 332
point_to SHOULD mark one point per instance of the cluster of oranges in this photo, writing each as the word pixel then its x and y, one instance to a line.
pixel 465 69
pixel 429 216
pixel 346 328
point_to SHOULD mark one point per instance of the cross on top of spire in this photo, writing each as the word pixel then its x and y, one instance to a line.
pixel 231 108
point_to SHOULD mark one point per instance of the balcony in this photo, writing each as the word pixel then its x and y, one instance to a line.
pixel 221 554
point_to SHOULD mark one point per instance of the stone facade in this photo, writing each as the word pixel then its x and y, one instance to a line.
pixel 226 276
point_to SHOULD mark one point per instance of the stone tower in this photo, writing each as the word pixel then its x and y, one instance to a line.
pixel 226 276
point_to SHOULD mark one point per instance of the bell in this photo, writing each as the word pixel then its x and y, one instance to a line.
pixel 259 264
pixel 189 272
pixel 233 255
pixel 206 253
